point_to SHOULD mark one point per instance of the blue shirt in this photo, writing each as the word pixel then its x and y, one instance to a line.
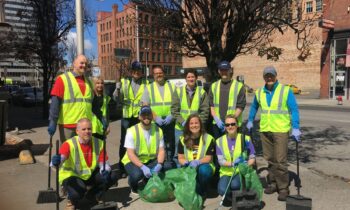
pixel 291 104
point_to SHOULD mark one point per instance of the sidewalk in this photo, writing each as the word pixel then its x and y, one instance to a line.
pixel 20 184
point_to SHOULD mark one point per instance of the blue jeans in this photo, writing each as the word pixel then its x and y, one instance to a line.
pixel 204 174
pixel 135 173
pixel 178 134
pixel 224 181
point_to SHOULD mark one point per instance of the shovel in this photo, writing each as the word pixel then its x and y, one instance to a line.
pixel 49 195
pixel 298 202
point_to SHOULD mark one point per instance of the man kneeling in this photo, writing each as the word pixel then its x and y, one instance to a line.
pixel 81 159
pixel 144 149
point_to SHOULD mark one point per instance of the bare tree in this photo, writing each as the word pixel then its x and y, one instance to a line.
pixel 222 30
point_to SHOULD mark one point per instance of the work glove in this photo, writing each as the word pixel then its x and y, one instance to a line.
pixel 186 164
pixel 194 163
pixel 296 135
pixel 104 123
pixel 156 169
pixel 183 123
pixel 249 125
pixel 52 128
pixel 146 171
pixel 56 160
pixel 159 121
pixel 219 123
pixel 107 167
pixel 168 119
pixel 238 161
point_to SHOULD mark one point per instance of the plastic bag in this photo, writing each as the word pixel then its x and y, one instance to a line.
pixel 251 179
pixel 157 190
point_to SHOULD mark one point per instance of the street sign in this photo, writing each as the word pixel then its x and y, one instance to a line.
pixel 96 71
pixel 122 53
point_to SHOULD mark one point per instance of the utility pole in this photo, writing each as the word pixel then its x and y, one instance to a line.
pixel 137 34
pixel 147 71
pixel 80 26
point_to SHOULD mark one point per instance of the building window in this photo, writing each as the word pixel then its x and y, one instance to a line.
pixel 167 69
pixel 158 59
pixel 146 18
pixel 141 43
pixel 165 57
pixel 153 57
pixel 178 70
pixel 319 4
pixel 141 56
pixel 309 7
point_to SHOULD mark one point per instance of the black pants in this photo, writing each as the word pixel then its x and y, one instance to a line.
pixel 125 124
pixel 76 187
pixel 169 140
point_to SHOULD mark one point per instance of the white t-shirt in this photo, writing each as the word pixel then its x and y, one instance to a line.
pixel 129 139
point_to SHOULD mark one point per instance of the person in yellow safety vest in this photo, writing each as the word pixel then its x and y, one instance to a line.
pixel 100 117
pixel 71 100
pixel 159 96
pixel 226 96
pixel 131 91
pixel 278 106
pixel 81 161
pixel 145 152
pixel 190 99
pixel 196 150
pixel 229 154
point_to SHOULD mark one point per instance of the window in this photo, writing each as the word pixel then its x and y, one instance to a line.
pixel 146 18
pixel 158 59
pixel 309 7
pixel 141 56
pixel 319 4
pixel 167 69
pixel 153 56
pixel 165 57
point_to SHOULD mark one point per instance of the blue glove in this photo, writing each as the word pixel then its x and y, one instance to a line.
pixel 168 119
pixel 105 175
pixel 183 123
pixel 249 125
pixel 104 123
pixel 238 161
pixel 296 134
pixel 219 123
pixel 56 160
pixel 159 121
pixel 146 171
pixel 195 163
pixel 186 164
pixel 156 169
pixel 52 128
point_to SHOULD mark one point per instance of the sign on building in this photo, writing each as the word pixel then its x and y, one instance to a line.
pixel 96 71
pixel 122 53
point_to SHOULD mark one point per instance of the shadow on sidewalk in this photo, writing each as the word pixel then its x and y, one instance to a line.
pixel 12 151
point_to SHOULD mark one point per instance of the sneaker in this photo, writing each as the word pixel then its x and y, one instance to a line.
pixel 282 195
pixel 69 205
pixel 270 190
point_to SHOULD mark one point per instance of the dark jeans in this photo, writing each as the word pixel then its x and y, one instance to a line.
pixel 204 175
pixel 125 124
pixel 76 187
pixel 136 175
pixel 169 140
pixel 223 183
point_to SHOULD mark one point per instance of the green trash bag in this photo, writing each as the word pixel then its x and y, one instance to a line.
pixel 184 182
pixel 251 179
pixel 157 190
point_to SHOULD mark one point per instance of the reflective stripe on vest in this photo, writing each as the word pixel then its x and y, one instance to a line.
pixel 232 100
pixel 143 152
pixel 276 117
pixel 185 110
pixel 227 153
pixel 75 105
pixel 131 102
pixel 76 165
pixel 160 106
pixel 97 126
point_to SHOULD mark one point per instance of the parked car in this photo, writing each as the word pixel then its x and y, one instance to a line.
pixel 28 96
pixel 294 88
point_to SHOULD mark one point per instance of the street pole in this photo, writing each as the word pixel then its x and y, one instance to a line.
pixel 137 34
pixel 147 72
pixel 80 26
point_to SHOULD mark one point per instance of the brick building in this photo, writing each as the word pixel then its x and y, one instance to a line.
pixel 118 29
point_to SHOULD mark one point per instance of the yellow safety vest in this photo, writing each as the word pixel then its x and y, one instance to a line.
pixel 202 149
pixel 185 110
pixel 75 105
pixel 131 101
pixel 160 106
pixel 232 100
pixel 143 151
pixel 97 126
pixel 227 153
pixel 76 165
pixel 274 118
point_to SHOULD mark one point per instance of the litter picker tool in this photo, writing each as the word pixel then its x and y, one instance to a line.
pixel 58 199
pixel 227 187
pixel 49 195
pixel 298 202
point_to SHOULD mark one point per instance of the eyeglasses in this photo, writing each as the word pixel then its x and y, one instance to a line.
pixel 230 124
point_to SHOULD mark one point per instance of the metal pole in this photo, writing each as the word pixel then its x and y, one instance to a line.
pixel 80 26
pixel 146 49
pixel 137 35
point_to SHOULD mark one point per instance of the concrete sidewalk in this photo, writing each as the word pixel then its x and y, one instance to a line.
pixel 20 183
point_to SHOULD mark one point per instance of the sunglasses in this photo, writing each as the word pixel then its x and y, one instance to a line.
pixel 230 124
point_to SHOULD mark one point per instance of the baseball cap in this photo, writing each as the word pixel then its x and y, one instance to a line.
pixel 145 110
pixel 224 65
pixel 270 70
pixel 136 65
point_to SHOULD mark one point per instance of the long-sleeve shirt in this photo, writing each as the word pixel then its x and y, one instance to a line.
pixel 291 104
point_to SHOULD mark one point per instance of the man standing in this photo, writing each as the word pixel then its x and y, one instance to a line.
pixel 159 96
pixel 226 96
pixel 83 163
pixel 71 99
pixel 130 96
pixel 144 149
pixel 277 103
pixel 190 99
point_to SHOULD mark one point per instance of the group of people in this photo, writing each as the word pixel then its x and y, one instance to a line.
pixel 164 127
